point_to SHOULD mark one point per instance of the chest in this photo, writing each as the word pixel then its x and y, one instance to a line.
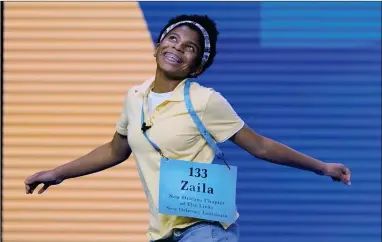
pixel 172 128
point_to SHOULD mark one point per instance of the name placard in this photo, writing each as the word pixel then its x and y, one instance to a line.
pixel 192 189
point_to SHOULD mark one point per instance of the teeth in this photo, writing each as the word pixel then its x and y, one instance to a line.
pixel 173 57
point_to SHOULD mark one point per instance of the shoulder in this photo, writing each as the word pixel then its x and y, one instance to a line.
pixel 208 98
pixel 201 92
pixel 208 94
pixel 200 96
pixel 137 90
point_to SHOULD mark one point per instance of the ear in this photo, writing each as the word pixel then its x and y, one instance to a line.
pixel 156 50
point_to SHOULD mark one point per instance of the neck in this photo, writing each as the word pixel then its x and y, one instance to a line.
pixel 163 83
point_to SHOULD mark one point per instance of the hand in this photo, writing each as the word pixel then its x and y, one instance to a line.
pixel 338 172
pixel 47 178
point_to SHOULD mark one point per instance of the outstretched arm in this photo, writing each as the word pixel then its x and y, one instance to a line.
pixel 272 151
pixel 101 158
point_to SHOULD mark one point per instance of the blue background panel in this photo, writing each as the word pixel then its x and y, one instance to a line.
pixel 307 74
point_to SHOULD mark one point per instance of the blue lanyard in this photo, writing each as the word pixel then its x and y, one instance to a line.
pixel 202 129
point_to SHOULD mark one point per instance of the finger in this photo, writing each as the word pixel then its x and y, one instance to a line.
pixel 343 179
pixel 347 178
pixel 27 189
pixel 33 186
pixel 347 171
pixel 43 189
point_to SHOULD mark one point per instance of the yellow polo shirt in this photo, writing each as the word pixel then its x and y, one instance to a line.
pixel 174 131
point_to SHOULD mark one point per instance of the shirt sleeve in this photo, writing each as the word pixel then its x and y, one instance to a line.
pixel 122 122
pixel 220 118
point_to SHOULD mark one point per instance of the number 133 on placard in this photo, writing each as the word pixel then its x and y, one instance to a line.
pixel 197 172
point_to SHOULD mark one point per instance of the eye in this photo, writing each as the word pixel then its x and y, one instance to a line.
pixel 190 47
pixel 172 37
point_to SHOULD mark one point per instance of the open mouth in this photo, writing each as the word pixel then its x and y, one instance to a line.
pixel 172 58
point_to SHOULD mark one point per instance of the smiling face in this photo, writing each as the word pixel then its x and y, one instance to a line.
pixel 179 53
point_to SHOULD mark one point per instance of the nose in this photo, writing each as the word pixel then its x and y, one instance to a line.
pixel 179 47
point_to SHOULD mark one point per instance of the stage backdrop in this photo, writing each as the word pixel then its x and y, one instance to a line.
pixel 67 69
pixel 305 74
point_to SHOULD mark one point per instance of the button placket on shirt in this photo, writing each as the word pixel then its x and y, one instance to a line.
pixel 156 110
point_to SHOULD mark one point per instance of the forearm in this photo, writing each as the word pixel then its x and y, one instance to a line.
pixel 275 152
pixel 272 151
pixel 97 160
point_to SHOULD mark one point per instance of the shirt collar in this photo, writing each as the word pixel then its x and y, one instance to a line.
pixel 177 94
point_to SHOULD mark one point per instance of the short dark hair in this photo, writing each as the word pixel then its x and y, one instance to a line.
pixel 207 23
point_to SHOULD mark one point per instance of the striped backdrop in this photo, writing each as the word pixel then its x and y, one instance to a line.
pixel 307 74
